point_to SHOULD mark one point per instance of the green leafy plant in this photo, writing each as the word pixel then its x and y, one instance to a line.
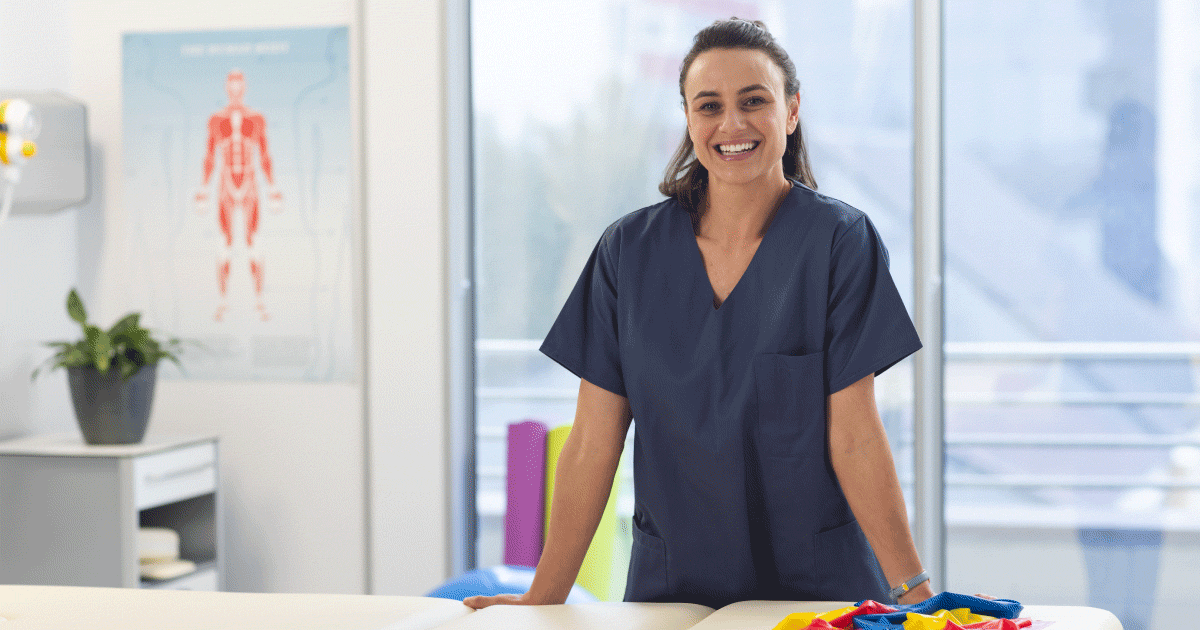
pixel 125 347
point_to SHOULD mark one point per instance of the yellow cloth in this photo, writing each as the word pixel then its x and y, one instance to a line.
pixel 796 621
pixel 800 621
pixel 937 621
pixel 964 616
pixel 596 573
pixel 834 614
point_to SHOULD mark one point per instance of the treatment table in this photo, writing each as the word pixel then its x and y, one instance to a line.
pixel 77 607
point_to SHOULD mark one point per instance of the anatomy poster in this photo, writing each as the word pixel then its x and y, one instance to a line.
pixel 238 191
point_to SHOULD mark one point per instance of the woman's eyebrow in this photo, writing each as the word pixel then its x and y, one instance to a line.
pixel 748 88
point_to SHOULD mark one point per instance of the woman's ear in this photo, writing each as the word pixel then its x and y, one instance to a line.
pixel 793 113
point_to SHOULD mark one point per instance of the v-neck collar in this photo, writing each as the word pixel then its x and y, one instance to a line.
pixel 698 255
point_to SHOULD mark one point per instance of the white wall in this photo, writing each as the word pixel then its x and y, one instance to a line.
pixel 38 255
pixel 296 458
pixel 407 368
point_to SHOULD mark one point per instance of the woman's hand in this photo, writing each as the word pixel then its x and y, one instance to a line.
pixel 483 601
pixel 862 460
pixel 583 484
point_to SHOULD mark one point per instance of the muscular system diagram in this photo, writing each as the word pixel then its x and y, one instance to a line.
pixel 237 144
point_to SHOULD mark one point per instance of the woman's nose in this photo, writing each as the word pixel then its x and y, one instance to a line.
pixel 732 119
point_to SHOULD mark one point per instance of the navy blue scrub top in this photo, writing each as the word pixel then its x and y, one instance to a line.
pixel 735 496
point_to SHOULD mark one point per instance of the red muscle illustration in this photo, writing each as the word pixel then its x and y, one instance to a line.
pixel 237 140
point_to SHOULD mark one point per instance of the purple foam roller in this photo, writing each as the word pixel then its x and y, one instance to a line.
pixel 523 520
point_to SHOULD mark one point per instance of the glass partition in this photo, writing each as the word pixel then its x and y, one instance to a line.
pixel 1072 321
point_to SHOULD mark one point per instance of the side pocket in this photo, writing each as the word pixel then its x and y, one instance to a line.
pixel 647 581
pixel 845 567
pixel 791 404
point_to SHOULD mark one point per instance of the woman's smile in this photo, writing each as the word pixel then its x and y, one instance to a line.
pixel 737 150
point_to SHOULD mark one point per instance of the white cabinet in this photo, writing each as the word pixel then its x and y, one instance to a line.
pixel 70 512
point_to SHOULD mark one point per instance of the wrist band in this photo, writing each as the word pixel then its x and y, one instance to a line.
pixel 899 591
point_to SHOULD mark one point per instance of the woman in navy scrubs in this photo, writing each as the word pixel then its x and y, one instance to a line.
pixel 739 324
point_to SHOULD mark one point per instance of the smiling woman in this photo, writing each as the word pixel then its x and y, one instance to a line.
pixel 738 325
pixel 735 51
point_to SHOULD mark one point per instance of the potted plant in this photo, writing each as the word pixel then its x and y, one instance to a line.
pixel 111 374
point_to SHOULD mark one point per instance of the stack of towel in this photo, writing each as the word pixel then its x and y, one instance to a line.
pixel 158 554
pixel 944 611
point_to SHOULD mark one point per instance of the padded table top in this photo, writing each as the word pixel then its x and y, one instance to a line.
pixel 592 616
pixel 58 607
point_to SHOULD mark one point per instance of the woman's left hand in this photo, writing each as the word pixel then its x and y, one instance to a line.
pixel 917 595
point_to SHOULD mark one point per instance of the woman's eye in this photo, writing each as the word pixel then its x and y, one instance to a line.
pixel 755 100
pixel 708 106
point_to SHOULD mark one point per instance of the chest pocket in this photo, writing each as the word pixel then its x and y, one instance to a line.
pixel 791 404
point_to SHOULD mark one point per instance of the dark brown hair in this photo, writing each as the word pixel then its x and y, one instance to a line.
pixel 686 179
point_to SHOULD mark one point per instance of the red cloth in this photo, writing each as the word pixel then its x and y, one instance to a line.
pixel 869 607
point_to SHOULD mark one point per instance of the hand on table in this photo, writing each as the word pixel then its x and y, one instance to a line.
pixel 923 592
pixel 483 601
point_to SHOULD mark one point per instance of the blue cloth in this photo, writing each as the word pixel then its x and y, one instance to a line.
pixel 735 496
pixel 999 608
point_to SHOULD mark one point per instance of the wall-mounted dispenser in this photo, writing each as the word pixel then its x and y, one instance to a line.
pixel 53 174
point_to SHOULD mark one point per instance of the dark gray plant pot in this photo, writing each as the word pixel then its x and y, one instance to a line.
pixel 110 410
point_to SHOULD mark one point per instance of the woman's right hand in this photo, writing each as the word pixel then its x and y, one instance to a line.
pixel 583 483
pixel 483 601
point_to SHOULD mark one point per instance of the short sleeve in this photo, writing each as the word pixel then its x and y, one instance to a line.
pixel 867 329
pixel 584 338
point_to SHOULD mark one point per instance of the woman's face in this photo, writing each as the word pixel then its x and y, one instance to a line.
pixel 738 115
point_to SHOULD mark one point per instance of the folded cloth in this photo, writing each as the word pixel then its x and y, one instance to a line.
pixel 1000 608
pixel 167 570
pixel 839 619
pixel 991 624
pixel 1000 624
pixel 944 611
pixel 157 544
pixel 960 617
pixel 868 607
pixel 800 621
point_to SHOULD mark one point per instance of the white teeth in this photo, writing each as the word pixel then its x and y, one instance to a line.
pixel 730 149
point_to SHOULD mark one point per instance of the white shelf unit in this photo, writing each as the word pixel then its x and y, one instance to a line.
pixel 70 512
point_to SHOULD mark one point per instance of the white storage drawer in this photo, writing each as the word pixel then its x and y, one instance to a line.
pixel 174 475
pixel 49 483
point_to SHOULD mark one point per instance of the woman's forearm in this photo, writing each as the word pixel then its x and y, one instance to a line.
pixel 862 460
pixel 582 484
